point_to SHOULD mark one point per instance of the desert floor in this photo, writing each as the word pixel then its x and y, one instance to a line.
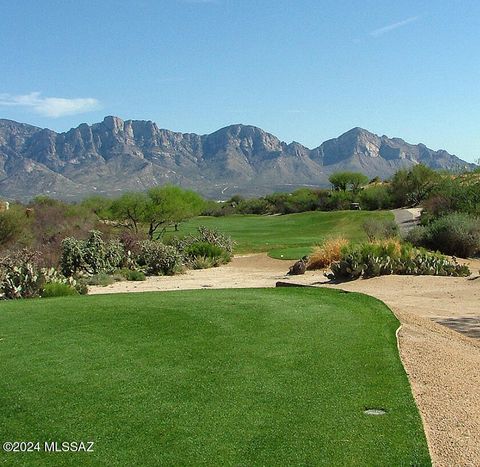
pixel 439 338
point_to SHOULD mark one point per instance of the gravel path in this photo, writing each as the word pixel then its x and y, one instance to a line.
pixel 407 218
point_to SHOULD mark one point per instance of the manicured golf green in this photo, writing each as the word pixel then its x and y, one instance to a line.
pixel 290 236
pixel 208 377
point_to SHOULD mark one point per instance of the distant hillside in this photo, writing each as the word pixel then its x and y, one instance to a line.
pixel 116 155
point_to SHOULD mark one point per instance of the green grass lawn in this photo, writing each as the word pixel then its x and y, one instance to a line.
pixel 291 235
pixel 208 377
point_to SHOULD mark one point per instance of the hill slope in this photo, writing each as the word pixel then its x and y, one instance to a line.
pixel 115 155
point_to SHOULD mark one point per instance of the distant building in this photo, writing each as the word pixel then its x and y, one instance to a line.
pixel 4 206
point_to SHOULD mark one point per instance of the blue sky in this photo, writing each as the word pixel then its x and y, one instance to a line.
pixel 304 70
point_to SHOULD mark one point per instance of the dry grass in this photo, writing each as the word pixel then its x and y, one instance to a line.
pixel 393 245
pixel 324 255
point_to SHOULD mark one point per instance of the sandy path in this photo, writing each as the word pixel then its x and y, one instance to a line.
pixel 443 365
pixel 407 218
pixel 246 271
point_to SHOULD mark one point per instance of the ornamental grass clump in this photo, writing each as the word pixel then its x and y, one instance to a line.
pixel 325 254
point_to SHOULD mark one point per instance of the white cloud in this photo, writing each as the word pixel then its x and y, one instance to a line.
pixel 50 106
pixel 391 27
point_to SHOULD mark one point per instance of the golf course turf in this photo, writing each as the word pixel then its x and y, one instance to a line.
pixel 289 236
pixel 208 377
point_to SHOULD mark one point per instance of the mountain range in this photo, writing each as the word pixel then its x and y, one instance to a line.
pixel 114 156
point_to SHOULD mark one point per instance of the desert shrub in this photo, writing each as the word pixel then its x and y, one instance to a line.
pixel 375 197
pixel 412 186
pixel 208 243
pixel 204 249
pixel 13 226
pixel 135 276
pixel 417 235
pixel 58 289
pixel 94 253
pixel 20 275
pixel 131 274
pixel 216 254
pixel 72 261
pixel 390 257
pixel 339 200
pixel 51 221
pixel 131 241
pixel 159 259
pixel 454 234
pixel 434 207
pixel 201 262
pixel 214 237
pixel 91 256
pixel 254 206
pixel 101 279
pixel 325 254
pixel 81 288
pixel 454 194
pixel 379 229
pixel 114 255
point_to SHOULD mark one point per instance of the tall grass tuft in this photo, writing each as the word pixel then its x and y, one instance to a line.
pixel 325 254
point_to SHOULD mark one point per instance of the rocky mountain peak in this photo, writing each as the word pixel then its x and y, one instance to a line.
pixel 116 155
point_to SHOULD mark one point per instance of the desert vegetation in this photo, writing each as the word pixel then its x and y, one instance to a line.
pixel 52 248
pixel 168 229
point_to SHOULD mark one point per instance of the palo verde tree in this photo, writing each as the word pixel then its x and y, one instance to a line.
pixel 170 205
pixel 343 181
pixel 131 208
pixel 410 187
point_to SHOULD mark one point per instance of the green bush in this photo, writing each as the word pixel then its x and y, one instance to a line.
pixel 340 200
pixel 417 235
pixel 101 279
pixel 131 274
pixel 58 289
pixel 201 262
pixel 455 234
pixel 91 256
pixel 214 237
pixel 135 276
pixel 458 194
pixel 254 206
pixel 375 197
pixel 377 229
pixel 159 259
pixel 13 224
pixel 20 275
pixel 216 254
pixel 391 257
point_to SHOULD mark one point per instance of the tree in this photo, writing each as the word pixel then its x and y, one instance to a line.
pixel 410 187
pixel 99 205
pixel 170 205
pixel 13 225
pixel 131 207
pixel 357 180
pixel 339 181
pixel 342 181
